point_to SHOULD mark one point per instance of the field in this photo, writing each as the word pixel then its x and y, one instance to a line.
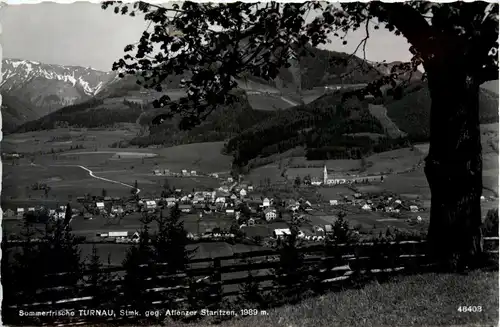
pixel 394 161
pixel 64 138
pixel 263 102
pixel 61 172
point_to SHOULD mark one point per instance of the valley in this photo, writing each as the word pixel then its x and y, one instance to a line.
pixel 107 145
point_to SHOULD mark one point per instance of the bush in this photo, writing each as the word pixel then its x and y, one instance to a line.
pixel 490 225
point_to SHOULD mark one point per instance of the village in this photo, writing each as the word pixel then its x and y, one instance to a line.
pixel 236 210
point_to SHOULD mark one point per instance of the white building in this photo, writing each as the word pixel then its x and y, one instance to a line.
pixel 281 232
pixel 243 193
pixel 150 205
pixel 270 214
pixel 220 199
pixel 100 205
pixel 266 202
pixel 334 202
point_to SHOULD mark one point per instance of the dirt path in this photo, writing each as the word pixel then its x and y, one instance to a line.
pixel 91 173
pixel 289 101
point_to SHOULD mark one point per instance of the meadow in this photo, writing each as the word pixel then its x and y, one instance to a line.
pixel 64 138
pixel 421 300
pixel 263 102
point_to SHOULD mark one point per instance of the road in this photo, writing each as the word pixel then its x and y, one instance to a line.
pixel 289 101
pixel 91 173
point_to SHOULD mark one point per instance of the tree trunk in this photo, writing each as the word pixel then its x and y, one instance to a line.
pixel 454 168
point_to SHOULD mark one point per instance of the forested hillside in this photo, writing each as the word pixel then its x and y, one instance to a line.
pixel 92 113
pixel 329 128
pixel 411 112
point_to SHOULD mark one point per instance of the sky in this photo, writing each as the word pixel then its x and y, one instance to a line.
pixel 82 34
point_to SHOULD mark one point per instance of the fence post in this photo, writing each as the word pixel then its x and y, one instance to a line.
pixel 217 274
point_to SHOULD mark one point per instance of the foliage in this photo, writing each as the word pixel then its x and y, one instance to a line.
pixel 225 41
pixel 138 265
pixel 490 225
pixel 101 288
pixel 291 275
pixel 251 296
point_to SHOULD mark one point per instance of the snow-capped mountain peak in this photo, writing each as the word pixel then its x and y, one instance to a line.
pixel 16 72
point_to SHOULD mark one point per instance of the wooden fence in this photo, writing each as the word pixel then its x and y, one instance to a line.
pixel 330 266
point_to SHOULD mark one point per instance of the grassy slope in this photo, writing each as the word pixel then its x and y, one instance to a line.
pixel 421 300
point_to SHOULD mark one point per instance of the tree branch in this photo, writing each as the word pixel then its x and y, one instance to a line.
pixel 410 23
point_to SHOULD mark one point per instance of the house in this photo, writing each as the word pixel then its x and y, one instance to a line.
pixel 413 208
pixel 193 172
pixel 184 172
pixel 99 205
pixel 282 232
pixel 117 209
pixel 220 199
pixel 135 238
pixel 107 198
pixel 233 197
pixel 328 229
pixel 366 207
pixel 185 208
pixel 198 198
pixel 9 213
pixel 266 202
pixel 170 202
pixel 243 193
pixel 270 214
pixel 230 179
pixel 334 202
pixel 250 188
pixel 150 205
pixel 31 209
pixel 229 211
pixel 318 230
pixel 251 222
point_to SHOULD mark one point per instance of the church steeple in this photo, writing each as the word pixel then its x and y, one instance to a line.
pixel 325 174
